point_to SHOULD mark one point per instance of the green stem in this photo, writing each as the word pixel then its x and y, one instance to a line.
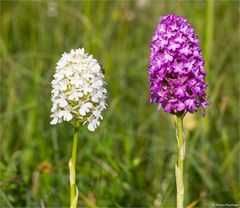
pixel 179 167
pixel 72 165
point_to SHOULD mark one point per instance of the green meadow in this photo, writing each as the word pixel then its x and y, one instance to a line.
pixel 129 160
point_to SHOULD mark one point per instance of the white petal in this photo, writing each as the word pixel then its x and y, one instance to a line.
pixel 97 113
pixel 80 94
pixel 91 127
pixel 68 116
pixel 82 111
pixel 99 83
pixel 63 86
pixel 63 103
pixel 68 73
pixel 95 99
pixel 73 96
pixel 54 108
pixel 61 114
pixel 54 121
pixel 88 105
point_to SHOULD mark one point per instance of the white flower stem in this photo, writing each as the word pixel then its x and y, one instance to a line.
pixel 72 163
pixel 179 166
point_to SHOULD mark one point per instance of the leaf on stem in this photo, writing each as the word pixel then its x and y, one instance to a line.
pixel 179 177
pixel 75 200
pixel 72 172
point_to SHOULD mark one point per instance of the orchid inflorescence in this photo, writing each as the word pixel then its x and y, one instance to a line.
pixel 78 93
pixel 176 67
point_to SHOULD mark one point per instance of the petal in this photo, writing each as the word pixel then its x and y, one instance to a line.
pixel 159 106
pixel 80 94
pixel 72 96
pixel 180 106
pixel 61 114
pixel 88 105
pixel 82 111
pixel 95 99
pixel 62 103
pixel 54 121
pixel 91 127
pixel 68 116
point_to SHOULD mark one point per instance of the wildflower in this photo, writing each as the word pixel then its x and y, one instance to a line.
pixel 78 91
pixel 176 67
pixel 176 77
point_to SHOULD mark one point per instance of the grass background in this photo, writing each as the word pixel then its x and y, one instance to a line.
pixel 129 161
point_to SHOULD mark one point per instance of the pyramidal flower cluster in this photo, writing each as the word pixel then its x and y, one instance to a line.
pixel 78 90
pixel 176 67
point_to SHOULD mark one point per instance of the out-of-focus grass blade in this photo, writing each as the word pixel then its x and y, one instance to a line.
pixel 202 172
pixel 193 204
pixel 4 202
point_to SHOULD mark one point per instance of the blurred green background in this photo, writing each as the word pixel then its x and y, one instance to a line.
pixel 129 161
